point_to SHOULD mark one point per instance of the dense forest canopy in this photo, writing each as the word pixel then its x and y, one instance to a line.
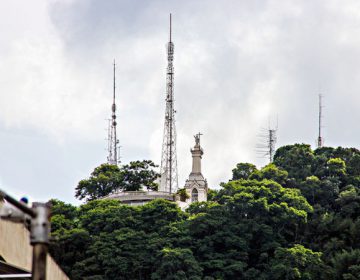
pixel 296 218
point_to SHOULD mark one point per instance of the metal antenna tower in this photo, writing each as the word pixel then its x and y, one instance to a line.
pixel 320 140
pixel 268 141
pixel 168 171
pixel 113 142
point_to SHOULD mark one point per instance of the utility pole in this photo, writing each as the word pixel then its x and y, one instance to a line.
pixel 168 170
pixel 39 218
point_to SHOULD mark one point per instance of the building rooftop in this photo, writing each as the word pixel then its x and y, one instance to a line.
pixel 139 197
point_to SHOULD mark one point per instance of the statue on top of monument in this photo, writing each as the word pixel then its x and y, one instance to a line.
pixel 197 139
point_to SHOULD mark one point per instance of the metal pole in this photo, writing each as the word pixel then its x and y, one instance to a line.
pixel 39 230
pixel 39 261
pixel 39 238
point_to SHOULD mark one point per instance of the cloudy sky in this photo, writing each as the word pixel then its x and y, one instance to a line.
pixel 237 65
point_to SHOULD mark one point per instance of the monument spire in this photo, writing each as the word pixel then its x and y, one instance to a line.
pixel 196 185
pixel 197 153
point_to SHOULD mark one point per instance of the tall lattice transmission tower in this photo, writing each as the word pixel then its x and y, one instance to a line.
pixel 113 141
pixel 168 170
pixel 320 140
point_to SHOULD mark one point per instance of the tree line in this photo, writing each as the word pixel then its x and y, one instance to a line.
pixel 296 218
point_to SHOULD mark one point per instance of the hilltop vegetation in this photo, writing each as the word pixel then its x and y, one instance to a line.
pixel 297 218
pixel 108 178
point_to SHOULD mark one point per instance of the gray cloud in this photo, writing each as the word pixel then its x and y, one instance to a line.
pixel 237 64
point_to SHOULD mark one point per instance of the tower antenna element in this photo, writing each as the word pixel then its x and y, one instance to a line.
pixel 170 29
pixel 168 170
pixel 113 142
pixel 268 138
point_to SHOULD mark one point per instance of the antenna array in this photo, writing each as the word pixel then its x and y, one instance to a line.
pixel 268 138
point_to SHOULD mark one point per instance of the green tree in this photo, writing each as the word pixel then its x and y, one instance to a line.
pixel 346 265
pixel 243 171
pixel 236 236
pixel 336 167
pixel 296 262
pixel 354 165
pixel 64 216
pixel 349 202
pixel 211 194
pixel 322 192
pixel 108 178
pixel 138 175
pixel 219 243
pixel 105 179
pixel 298 218
pixel 310 188
pixel 59 207
pixel 177 264
pixel 69 248
pixel 270 172
pixel 114 241
pixel 296 159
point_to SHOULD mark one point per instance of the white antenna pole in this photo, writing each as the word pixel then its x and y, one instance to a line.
pixel 320 140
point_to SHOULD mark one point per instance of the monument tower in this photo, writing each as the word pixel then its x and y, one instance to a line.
pixel 196 186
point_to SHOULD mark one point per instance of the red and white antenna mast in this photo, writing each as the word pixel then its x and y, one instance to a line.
pixel 113 142
pixel 168 170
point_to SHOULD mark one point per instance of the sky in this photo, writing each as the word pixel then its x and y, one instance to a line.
pixel 239 65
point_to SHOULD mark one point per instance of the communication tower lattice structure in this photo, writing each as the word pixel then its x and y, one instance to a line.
pixel 113 141
pixel 320 140
pixel 268 139
pixel 168 170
